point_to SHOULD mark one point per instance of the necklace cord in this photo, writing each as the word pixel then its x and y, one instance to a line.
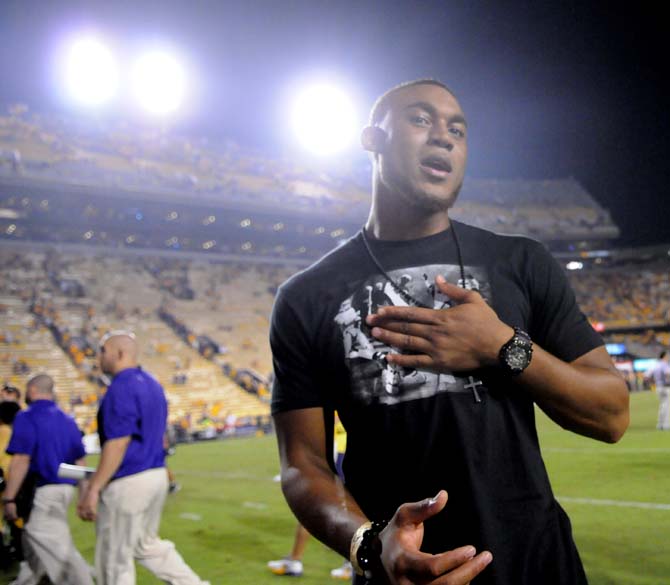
pixel 404 293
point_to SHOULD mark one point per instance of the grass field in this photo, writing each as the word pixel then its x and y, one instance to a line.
pixel 230 517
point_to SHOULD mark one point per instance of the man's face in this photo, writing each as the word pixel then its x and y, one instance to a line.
pixel 423 159
pixel 105 359
pixel 8 396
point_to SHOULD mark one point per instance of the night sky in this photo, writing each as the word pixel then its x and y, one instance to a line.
pixel 551 90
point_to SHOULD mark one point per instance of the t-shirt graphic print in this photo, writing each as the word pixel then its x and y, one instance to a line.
pixel 373 379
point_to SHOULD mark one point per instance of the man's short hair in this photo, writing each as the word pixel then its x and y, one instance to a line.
pixel 662 354
pixel 115 333
pixel 42 383
pixel 381 105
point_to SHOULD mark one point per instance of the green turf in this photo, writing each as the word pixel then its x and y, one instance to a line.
pixel 230 518
pixel 619 545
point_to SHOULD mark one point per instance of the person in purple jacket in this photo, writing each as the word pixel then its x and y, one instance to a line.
pixel 43 437
pixel 126 494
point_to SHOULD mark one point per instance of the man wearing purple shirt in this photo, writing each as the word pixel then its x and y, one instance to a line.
pixel 127 492
pixel 43 437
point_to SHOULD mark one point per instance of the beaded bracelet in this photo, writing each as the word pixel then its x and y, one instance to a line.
pixel 366 547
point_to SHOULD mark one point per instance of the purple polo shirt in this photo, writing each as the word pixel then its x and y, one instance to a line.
pixel 50 437
pixel 135 405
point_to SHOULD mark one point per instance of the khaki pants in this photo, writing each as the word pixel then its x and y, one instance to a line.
pixel 47 542
pixel 129 515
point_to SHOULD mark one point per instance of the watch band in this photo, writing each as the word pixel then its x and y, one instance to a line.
pixel 518 332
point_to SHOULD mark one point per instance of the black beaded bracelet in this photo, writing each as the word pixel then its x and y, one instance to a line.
pixel 371 547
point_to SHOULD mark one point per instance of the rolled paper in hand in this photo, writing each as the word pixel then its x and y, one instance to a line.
pixel 67 471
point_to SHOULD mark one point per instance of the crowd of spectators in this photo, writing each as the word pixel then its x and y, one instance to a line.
pixel 203 344
pixel 247 379
pixel 624 296
pixel 79 344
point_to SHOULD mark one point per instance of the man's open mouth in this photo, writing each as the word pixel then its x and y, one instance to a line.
pixel 436 166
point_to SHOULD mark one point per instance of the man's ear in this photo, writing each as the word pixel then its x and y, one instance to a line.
pixel 373 139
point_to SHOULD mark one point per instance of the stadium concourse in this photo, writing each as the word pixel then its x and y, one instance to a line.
pixel 185 240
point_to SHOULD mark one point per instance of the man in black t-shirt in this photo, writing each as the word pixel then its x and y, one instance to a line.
pixel 436 389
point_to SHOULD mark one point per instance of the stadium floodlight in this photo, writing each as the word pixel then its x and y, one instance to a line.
pixel 159 82
pixel 90 71
pixel 324 119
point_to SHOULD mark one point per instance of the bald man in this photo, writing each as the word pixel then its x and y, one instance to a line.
pixel 127 492
pixel 43 437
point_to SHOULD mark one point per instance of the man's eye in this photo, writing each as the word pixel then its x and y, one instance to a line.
pixel 457 132
pixel 420 120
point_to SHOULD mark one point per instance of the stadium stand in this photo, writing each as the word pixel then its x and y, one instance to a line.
pixel 125 159
pixel 119 295
pixel 625 297
pixel 33 346
pixel 185 241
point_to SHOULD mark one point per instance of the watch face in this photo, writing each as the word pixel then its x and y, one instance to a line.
pixel 516 354
pixel 517 357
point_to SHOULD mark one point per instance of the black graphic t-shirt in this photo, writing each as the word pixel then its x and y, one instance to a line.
pixel 410 432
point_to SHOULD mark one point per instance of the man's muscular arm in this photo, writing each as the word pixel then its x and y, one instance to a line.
pixel 586 396
pixel 314 493
pixel 329 512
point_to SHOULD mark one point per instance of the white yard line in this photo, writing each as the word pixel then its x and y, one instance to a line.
pixel 616 503
pixel 605 451
pixel 225 474
pixel 565 499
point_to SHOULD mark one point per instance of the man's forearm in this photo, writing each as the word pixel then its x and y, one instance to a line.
pixel 111 458
pixel 586 396
pixel 18 469
pixel 322 505
pixel 313 491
